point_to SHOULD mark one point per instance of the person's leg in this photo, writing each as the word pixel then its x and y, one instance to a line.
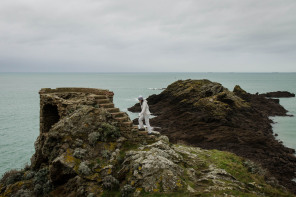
pixel 147 123
pixel 141 125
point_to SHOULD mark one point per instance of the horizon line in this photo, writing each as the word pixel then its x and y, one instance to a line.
pixel 156 72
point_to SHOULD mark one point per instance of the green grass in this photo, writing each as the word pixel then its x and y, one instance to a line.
pixel 126 146
pixel 229 192
pixel 234 166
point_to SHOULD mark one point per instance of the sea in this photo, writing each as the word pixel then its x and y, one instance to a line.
pixel 19 101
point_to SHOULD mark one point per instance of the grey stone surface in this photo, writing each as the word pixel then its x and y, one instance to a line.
pixel 79 153
pixel 84 169
pixel 87 151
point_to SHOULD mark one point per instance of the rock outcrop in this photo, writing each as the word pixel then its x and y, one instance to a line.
pixel 207 115
pixel 279 94
pixel 87 147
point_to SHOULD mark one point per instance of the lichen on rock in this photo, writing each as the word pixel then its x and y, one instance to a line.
pixel 87 147
pixel 84 169
pixel 205 114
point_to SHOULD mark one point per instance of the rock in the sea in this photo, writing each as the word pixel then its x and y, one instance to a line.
pixel 87 147
pixel 279 94
pixel 206 114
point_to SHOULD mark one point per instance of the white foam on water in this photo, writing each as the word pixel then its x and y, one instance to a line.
pixel 156 88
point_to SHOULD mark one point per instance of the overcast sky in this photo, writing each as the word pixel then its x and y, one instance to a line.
pixel 147 36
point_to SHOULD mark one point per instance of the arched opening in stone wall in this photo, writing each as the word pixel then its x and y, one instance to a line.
pixel 50 116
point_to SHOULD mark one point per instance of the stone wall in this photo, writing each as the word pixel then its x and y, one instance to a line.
pixel 56 103
pixel 78 89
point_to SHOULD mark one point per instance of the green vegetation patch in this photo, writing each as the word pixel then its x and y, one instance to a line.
pixel 234 165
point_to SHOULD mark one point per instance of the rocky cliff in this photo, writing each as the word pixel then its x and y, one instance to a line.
pixel 279 94
pixel 87 147
pixel 207 115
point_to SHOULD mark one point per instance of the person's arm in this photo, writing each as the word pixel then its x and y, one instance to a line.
pixel 143 108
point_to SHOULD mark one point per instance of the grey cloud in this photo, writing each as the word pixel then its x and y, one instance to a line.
pixel 163 35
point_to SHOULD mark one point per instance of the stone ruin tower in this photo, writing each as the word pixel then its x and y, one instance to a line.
pixel 54 104
pixel 57 106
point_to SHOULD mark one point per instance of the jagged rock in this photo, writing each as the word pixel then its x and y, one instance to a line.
pixel 121 139
pixel 84 169
pixel 279 94
pixel 91 195
pixel 29 175
pixel 61 168
pixel 156 167
pixel 14 178
pixel 127 190
pixel 156 133
pixel 47 187
pixel 23 193
pixel 38 190
pixel 41 176
pixel 164 138
pixel 78 142
pixel 107 170
pixel 94 137
pixel 254 168
pixel 110 183
pixel 240 92
pixel 87 147
pixel 205 114
pixel 79 153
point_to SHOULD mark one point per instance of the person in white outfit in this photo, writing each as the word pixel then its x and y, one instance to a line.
pixel 145 113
